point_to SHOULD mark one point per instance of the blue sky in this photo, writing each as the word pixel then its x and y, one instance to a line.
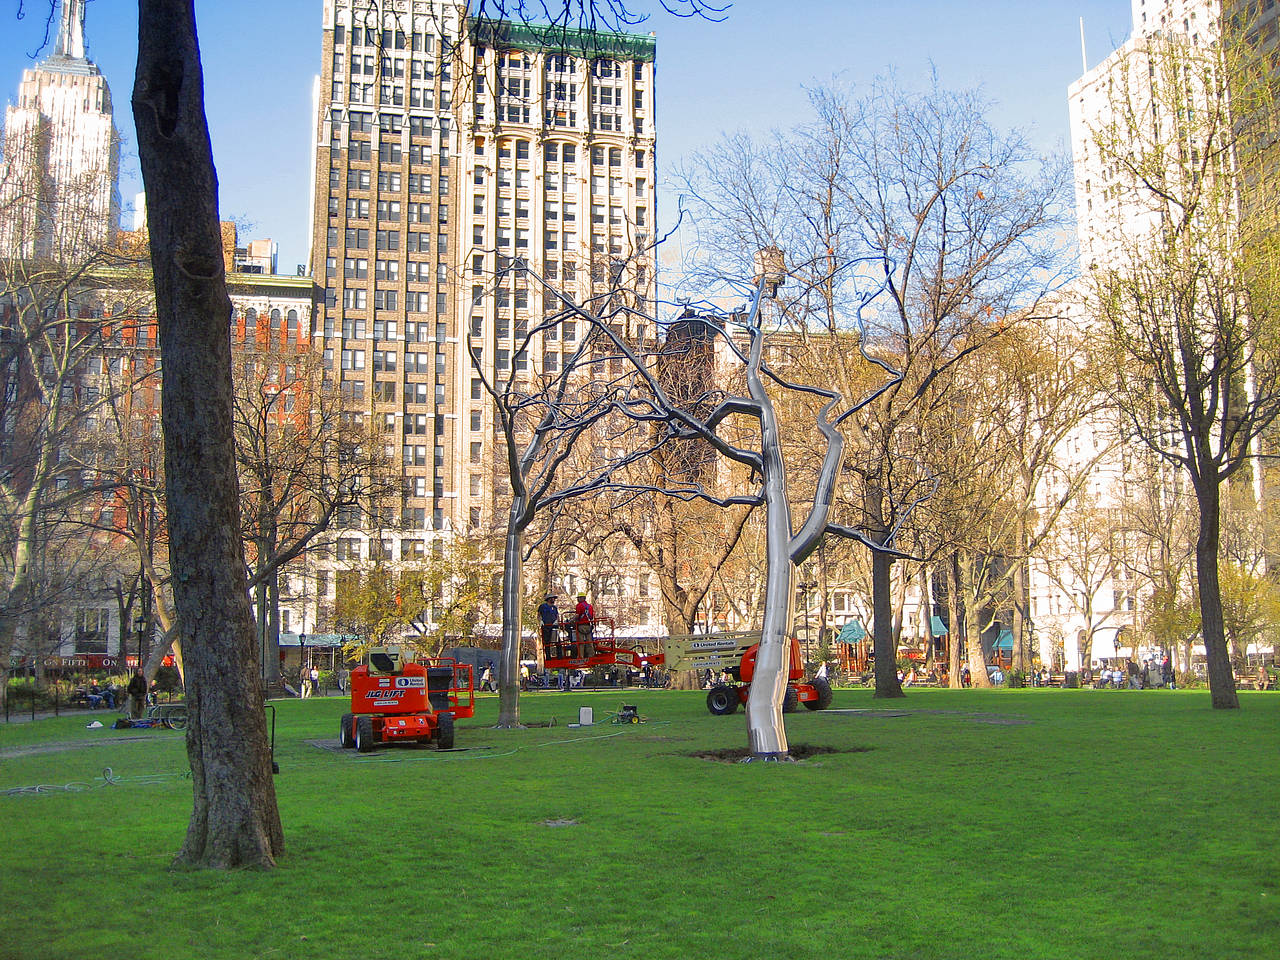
pixel 748 73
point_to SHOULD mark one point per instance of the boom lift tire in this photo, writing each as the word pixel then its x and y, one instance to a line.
pixel 346 731
pixel 364 735
pixel 722 700
pixel 824 694
pixel 444 732
pixel 790 700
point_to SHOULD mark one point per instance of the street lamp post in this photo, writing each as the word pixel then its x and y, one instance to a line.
pixel 140 627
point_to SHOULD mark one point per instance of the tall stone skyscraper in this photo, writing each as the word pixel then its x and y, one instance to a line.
pixel 446 150
pixel 61 155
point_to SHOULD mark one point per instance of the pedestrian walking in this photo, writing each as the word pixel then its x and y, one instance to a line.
pixel 137 692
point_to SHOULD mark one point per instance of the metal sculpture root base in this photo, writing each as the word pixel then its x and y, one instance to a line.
pixel 768 758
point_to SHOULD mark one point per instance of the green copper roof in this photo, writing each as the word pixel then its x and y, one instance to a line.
pixel 552 38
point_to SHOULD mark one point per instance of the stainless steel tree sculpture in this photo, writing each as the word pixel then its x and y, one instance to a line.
pixel 563 409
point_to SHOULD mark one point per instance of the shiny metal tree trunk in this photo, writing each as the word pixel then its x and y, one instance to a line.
pixel 512 578
pixel 766 735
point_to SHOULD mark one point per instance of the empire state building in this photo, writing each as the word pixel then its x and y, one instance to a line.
pixel 61 154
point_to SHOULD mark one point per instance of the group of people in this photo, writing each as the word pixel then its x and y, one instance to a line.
pixel 1135 676
pixel 100 696
pixel 134 696
pixel 308 681
pixel 577 632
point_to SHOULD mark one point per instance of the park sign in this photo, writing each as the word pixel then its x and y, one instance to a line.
pixel 81 661
pixel 707 651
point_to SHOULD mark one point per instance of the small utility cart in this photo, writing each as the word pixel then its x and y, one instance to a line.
pixel 399 701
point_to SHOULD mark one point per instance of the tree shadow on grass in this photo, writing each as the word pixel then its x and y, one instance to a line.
pixel 798 751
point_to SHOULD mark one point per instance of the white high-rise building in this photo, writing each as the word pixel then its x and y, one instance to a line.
pixel 1105 208
pixel 455 158
pixel 1088 589
pixel 61 155
pixel 1085 595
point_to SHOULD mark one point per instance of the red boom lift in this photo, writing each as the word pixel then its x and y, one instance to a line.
pixel 393 701
pixel 731 653
pixel 567 652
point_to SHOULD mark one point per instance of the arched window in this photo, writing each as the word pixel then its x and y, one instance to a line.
pixel 291 325
pixel 275 321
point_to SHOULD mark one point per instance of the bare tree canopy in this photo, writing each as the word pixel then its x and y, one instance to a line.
pixel 960 221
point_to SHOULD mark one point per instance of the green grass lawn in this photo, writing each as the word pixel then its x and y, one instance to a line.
pixel 952 824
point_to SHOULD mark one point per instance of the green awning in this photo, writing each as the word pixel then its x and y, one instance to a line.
pixel 1005 640
pixel 939 628
pixel 557 38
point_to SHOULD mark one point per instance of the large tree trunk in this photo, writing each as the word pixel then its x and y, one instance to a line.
pixel 887 683
pixel 926 614
pixel 234 820
pixel 955 633
pixel 1222 683
pixel 169 639
pixel 899 586
pixel 882 635
pixel 973 626
pixel 679 620
pixel 260 619
pixel 1019 659
pixel 271 667
pixel 1085 646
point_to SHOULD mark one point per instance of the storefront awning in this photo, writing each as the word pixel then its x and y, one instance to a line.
pixel 314 639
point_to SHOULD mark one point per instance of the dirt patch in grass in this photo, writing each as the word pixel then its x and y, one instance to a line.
pixel 798 752
pixel 560 822
pixel 35 749
pixel 1001 719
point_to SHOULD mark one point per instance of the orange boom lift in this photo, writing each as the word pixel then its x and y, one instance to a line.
pixel 734 654
pixel 394 701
